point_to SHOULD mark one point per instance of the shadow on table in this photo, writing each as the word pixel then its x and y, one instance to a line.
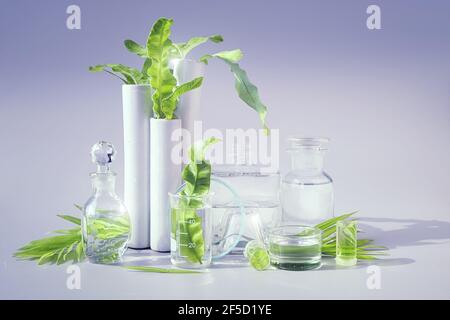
pixel 406 232
pixel 400 233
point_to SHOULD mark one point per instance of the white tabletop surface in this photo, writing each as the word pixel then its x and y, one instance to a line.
pixel 417 267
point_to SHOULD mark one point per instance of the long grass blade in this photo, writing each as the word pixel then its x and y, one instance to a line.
pixel 160 270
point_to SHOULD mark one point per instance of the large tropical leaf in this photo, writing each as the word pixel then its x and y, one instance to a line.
pixel 233 56
pixel 127 74
pixel 136 48
pixel 162 80
pixel 246 90
pixel 197 174
pixel 170 103
pixel 183 49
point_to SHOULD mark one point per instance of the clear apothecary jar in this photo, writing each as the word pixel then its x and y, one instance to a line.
pixel 307 194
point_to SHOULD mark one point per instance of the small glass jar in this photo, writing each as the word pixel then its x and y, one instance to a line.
pixel 307 194
pixel 191 230
pixel 295 247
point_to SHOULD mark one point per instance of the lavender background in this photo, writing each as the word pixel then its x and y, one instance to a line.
pixel 382 96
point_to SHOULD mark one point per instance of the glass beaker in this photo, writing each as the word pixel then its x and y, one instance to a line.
pixel 295 247
pixel 191 230
pixel 307 195
pixel 258 189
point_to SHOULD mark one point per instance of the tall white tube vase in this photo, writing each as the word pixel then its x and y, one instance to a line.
pixel 188 109
pixel 165 168
pixel 137 106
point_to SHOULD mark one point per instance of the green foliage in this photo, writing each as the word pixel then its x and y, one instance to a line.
pixel 365 250
pixel 181 50
pixel 197 176
pixel 65 246
pixel 170 103
pixel 248 93
pixel 191 242
pixel 156 70
pixel 160 270
pixel 107 228
pixel 166 92
pixel 136 48
pixel 246 90
pixel 126 74
pixel 162 80
pixel 233 56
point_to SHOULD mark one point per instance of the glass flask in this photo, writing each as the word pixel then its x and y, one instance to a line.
pixel 105 223
pixel 191 230
pixel 307 194
pixel 258 189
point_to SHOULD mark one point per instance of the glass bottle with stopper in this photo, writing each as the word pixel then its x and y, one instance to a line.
pixel 105 223
pixel 307 195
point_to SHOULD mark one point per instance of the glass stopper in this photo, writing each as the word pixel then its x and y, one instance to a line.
pixel 102 154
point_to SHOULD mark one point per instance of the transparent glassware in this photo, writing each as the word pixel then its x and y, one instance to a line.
pixel 307 193
pixel 105 222
pixel 346 243
pixel 257 187
pixel 295 247
pixel 191 230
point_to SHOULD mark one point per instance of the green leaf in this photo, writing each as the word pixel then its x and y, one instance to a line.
pixel 127 74
pixel 246 90
pixel 79 250
pixel 160 270
pixel 67 245
pixel 184 48
pixel 364 251
pixel 162 80
pixel 70 219
pixel 232 56
pixel 248 93
pixel 197 174
pixel 136 48
pixel 191 242
pixel 169 104
pixel 332 222
pixel 147 64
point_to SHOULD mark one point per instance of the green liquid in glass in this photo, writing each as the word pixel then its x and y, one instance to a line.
pixel 346 243
pixel 295 257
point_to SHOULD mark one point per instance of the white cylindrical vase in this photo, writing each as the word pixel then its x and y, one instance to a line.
pixel 189 109
pixel 137 106
pixel 165 168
